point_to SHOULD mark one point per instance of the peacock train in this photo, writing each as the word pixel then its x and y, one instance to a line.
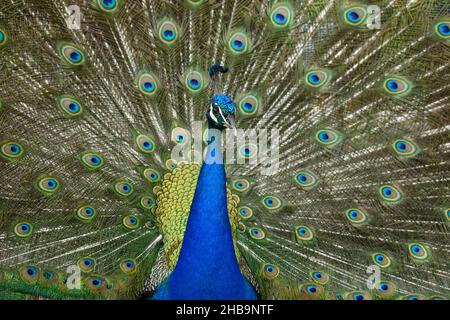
pixel 215 150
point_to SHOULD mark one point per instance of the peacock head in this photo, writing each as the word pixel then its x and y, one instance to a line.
pixel 222 113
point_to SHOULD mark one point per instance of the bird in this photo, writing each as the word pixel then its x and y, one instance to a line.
pixel 215 150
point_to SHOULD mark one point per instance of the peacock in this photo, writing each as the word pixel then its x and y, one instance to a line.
pixel 212 149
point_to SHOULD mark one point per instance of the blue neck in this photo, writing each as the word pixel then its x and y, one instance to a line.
pixel 207 267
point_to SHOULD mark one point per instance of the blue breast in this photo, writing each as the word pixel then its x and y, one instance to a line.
pixel 207 267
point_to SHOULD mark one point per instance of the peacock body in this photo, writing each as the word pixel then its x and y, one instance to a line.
pixel 96 95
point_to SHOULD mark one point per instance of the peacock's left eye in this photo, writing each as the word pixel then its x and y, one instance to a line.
pixel 304 233
pixel 355 16
pixel 11 150
pixel 271 202
pixel 405 148
pixel 131 221
pixel 71 54
pixel 306 179
pixel 245 212
pixel 270 271
pixel 257 233
pixel 123 188
pixel 418 251
pixel 23 229
pixel 86 213
pixel 168 32
pixel 390 194
pixel 281 15
pixel 128 265
pixel 92 160
pixel 397 86
pixel 317 78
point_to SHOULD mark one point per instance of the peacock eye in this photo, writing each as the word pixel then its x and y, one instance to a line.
pixel 249 104
pixel 304 234
pixel 131 221
pixel 147 202
pixel 270 271
pixel 238 42
pixel 11 150
pixel 358 295
pixel 48 185
pixel 92 160
pixel 168 32
pixel 311 290
pixel 70 106
pixel 317 78
pixel 151 175
pixel 381 260
pixel 306 180
pixel 328 138
pixel 271 202
pixel 109 6
pixel 145 143
pixel 390 194
pixel 87 264
pixel 147 83
pixel 405 148
pixel 355 16
pixel 397 86
pixel 23 229
pixel 71 54
pixel 281 15
pixel 320 277
pixel 29 274
pixel 195 81
pixel 442 29
pixel 180 135
pixel 418 251
pixel 257 233
pixel 245 212
pixel 123 188
pixel 356 217
pixel 3 38
pixel 128 266
pixel 86 213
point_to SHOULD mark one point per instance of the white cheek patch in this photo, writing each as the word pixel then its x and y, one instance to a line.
pixel 212 115
pixel 224 119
